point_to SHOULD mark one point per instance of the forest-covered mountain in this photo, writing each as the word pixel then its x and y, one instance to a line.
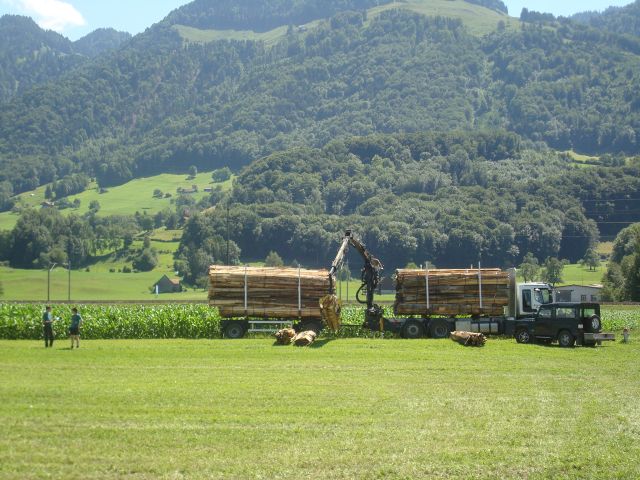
pixel 261 16
pixel 622 20
pixel 100 41
pixel 431 142
pixel 31 56
pixel 164 103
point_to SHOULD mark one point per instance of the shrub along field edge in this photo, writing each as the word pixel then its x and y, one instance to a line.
pixel 192 321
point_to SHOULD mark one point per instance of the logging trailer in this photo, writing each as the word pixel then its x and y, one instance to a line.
pixel 428 302
pixel 529 314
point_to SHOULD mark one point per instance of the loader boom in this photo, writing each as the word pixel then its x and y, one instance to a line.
pixel 371 274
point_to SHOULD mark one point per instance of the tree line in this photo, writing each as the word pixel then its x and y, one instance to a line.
pixel 452 199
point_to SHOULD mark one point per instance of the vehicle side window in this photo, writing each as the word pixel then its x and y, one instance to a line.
pixel 566 312
pixel 545 313
pixel 526 301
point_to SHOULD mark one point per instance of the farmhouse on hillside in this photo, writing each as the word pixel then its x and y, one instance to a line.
pixel 167 285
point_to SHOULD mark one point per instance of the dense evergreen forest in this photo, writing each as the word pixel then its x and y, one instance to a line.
pixel 160 103
pixel 432 143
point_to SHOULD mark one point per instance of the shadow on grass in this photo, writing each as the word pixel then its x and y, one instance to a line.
pixel 321 343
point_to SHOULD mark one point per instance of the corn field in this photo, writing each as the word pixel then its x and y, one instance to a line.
pixel 24 321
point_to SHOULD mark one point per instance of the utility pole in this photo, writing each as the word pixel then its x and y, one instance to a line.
pixel 69 270
pixel 228 202
pixel 49 281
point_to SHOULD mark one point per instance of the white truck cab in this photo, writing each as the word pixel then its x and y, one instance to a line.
pixel 530 296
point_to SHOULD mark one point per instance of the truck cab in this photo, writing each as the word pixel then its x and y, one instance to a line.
pixel 566 323
pixel 530 297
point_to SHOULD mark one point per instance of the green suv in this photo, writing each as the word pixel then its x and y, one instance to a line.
pixel 567 323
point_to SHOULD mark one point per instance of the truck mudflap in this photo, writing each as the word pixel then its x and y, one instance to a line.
pixel 591 338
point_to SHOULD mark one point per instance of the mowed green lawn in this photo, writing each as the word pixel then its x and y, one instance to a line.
pixel 345 409
pixel 576 274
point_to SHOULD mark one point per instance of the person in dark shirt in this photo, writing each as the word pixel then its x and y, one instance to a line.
pixel 74 329
pixel 47 323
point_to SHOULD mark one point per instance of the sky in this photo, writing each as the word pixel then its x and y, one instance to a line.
pixel 76 18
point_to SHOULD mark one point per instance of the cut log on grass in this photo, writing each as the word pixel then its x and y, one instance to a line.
pixel 285 336
pixel 451 292
pixel 469 338
pixel 304 339
pixel 263 292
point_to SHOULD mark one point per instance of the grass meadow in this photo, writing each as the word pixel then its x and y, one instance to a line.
pixel 479 21
pixel 134 196
pixel 342 409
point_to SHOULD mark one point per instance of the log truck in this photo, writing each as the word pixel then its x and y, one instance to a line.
pixel 519 320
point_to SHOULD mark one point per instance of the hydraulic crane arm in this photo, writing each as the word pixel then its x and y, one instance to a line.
pixel 371 270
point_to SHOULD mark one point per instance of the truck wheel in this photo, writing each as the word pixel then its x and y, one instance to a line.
pixel 594 323
pixel 523 336
pixel 234 330
pixel 439 329
pixel 413 329
pixel 566 339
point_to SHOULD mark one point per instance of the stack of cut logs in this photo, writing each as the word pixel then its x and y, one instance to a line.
pixel 469 338
pixel 285 336
pixel 451 292
pixel 304 339
pixel 265 292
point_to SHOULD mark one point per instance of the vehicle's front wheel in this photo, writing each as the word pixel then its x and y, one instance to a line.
pixel 566 339
pixel 523 336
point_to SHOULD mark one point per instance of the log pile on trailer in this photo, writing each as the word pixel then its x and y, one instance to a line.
pixel 264 292
pixel 451 292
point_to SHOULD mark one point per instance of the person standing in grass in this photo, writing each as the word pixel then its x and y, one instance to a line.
pixel 47 323
pixel 74 329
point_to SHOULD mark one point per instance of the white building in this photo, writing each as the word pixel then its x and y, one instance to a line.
pixel 578 293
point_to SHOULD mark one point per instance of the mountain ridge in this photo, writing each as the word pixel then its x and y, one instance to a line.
pixel 31 56
pixel 161 102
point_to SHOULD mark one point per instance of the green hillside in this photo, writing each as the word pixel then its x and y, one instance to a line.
pixel 134 196
pixel 196 35
pixel 479 21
